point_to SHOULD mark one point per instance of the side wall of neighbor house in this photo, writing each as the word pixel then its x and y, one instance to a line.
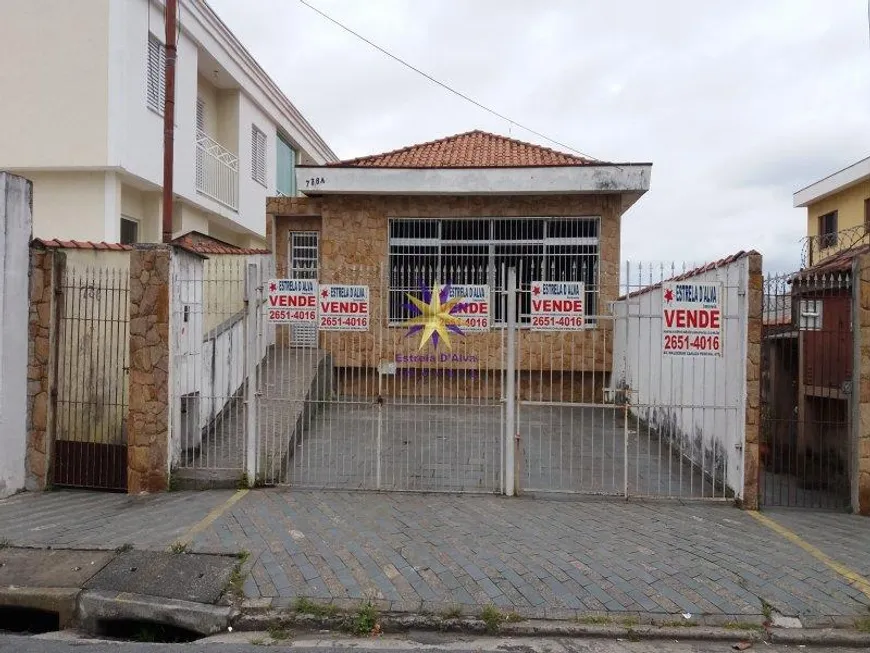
pixel 354 249
pixel 697 400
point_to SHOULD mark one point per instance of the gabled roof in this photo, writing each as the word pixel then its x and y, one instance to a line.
pixel 474 149
pixel 200 243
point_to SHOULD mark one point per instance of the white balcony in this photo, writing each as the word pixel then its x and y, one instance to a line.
pixel 217 171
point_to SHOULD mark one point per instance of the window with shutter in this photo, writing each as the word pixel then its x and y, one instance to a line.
pixel 258 155
pixel 200 115
pixel 156 74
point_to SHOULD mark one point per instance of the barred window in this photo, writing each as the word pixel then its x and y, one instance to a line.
pixel 480 251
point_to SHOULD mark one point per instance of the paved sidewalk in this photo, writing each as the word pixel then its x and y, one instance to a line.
pixel 553 558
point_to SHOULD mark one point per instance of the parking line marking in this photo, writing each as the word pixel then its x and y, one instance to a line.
pixel 855 579
pixel 211 517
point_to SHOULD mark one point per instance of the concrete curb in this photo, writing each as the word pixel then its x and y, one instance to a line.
pixel 95 606
pixel 61 600
pixel 258 618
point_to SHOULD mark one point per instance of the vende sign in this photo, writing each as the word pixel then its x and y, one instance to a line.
pixel 343 308
pixel 558 306
pixel 291 301
pixel 473 309
pixel 691 318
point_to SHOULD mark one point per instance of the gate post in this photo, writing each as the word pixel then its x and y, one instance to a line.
pixel 252 357
pixel 860 437
pixel 510 387
pixel 46 277
pixel 149 406
pixel 753 305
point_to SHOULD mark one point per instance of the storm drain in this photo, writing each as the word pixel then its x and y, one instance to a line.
pixel 28 621
pixel 135 630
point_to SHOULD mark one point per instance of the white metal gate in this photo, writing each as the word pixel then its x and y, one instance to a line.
pixel 634 403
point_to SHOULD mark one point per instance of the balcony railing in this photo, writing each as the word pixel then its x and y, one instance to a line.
pixel 822 246
pixel 217 171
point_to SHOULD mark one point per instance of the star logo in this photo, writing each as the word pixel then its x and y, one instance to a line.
pixel 324 293
pixel 669 295
pixel 273 287
pixel 434 315
pixel 536 290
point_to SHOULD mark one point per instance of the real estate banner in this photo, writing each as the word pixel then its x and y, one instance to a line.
pixel 558 306
pixel 691 318
pixel 291 301
pixel 343 308
pixel 473 308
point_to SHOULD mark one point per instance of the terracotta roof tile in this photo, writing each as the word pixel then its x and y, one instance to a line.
pixel 721 263
pixel 474 149
pixel 839 262
pixel 53 243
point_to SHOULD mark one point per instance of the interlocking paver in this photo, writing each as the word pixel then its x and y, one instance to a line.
pixel 547 557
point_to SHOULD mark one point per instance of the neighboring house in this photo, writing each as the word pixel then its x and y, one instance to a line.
pixel 807 357
pixel 81 117
pixel 838 212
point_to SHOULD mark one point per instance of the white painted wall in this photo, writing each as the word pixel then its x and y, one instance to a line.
pixel 665 388
pixel 71 205
pixel 15 220
pixel 186 290
pixel 55 96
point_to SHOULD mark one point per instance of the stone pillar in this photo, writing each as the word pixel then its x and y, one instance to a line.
pixel 45 273
pixel 860 441
pixel 148 414
pixel 754 292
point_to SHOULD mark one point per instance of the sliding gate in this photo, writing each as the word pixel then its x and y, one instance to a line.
pixel 474 388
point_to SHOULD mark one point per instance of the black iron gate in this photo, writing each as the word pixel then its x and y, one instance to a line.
pixel 805 452
pixel 90 379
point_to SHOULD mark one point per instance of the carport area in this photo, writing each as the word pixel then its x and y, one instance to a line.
pixel 361 444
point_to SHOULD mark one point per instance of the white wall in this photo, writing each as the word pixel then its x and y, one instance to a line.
pixel 252 194
pixel 54 80
pixel 15 220
pixel 73 205
pixel 186 290
pixel 700 400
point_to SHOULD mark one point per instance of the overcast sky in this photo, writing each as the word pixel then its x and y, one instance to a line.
pixel 737 103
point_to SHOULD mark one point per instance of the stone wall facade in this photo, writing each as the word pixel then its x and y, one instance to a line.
pixel 754 302
pixel 861 393
pixel 354 248
pixel 149 409
pixel 40 369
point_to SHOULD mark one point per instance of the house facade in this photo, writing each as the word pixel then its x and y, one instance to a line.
pixel 462 211
pixel 82 117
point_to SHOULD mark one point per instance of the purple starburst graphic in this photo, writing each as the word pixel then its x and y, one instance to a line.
pixel 426 295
